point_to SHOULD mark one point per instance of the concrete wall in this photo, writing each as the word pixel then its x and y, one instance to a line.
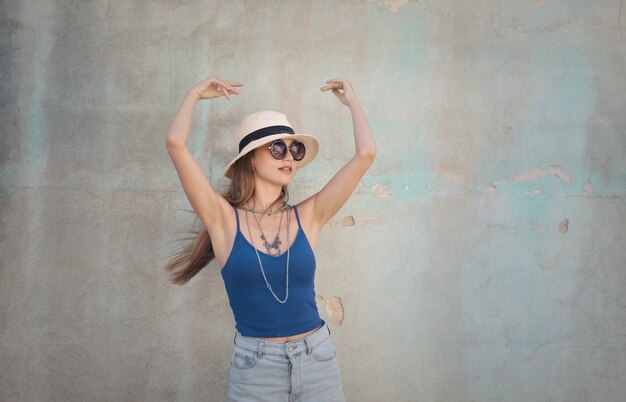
pixel 486 261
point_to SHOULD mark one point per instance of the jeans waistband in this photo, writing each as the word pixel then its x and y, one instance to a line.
pixel 262 346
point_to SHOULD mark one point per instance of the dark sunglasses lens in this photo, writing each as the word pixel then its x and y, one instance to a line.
pixel 278 149
pixel 298 150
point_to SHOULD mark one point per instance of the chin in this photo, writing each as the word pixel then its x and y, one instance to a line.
pixel 285 180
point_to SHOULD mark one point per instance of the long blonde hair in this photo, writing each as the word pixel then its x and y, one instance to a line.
pixel 198 253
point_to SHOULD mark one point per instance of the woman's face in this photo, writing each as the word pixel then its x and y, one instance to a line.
pixel 279 171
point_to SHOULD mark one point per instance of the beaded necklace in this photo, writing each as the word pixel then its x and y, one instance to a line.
pixel 265 212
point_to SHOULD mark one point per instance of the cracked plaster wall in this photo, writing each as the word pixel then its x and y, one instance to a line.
pixel 481 258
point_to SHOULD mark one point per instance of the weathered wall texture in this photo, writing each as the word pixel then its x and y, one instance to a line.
pixel 486 261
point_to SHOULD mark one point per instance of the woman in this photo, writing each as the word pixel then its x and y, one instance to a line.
pixel 264 246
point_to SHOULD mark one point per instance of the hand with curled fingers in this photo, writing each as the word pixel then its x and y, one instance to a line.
pixel 214 87
pixel 337 85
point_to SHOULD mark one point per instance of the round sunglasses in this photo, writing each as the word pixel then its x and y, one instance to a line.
pixel 278 149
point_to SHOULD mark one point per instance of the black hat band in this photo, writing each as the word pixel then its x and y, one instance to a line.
pixel 264 132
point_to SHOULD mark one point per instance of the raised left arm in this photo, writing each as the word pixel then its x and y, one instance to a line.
pixel 329 200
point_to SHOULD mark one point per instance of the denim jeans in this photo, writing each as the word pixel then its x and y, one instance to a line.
pixel 303 370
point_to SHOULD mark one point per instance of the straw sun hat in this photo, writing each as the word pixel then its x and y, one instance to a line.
pixel 260 128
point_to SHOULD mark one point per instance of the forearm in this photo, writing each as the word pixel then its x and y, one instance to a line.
pixel 365 144
pixel 178 132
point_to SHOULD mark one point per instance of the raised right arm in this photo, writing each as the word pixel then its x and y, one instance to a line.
pixel 207 204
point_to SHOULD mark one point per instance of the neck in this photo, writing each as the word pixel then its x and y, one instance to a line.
pixel 265 198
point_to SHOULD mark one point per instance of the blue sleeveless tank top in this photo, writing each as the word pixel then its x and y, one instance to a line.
pixel 256 311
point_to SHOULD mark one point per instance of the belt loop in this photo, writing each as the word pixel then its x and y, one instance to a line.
pixel 259 350
pixel 309 348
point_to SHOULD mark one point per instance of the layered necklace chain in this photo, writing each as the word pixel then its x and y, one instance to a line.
pixel 275 244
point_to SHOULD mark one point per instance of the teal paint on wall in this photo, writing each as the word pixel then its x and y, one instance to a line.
pixel 562 101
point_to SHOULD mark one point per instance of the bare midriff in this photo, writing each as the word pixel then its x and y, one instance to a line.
pixel 292 337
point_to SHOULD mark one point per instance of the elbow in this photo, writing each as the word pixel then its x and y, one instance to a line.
pixel 173 143
pixel 368 154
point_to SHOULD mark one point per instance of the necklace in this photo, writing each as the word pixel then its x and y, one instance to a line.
pixel 265 212
pixel 276 241
pixel 261 264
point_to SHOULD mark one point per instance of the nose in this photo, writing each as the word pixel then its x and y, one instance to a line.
pixel 288 156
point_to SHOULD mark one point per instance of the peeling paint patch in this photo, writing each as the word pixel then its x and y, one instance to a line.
pixel 347 221
pixel 380 190
pixel 588 190
pixel 491 191
pixel 563 226
pixel 395 5
pixel 334 308
pixel 538 172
